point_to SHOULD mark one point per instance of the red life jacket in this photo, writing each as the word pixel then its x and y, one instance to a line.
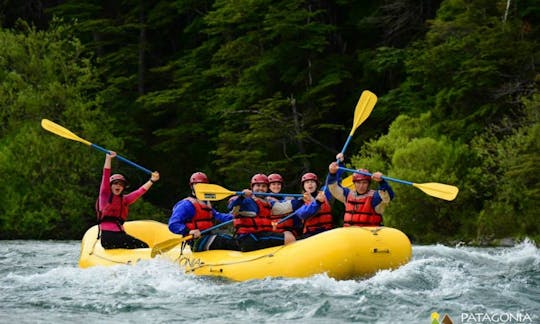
pixel 203 217
pixel 320 221
pixel 257 224
pixel 116 211
pixel 359 212
pixel 287 225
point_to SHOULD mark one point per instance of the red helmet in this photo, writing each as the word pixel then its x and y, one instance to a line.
pixel 309 176
pixel 359 176
pixel 118 177
pixel 274 177
pixel 198 177
pixel 259 178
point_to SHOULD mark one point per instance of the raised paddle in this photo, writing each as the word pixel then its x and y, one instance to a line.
pixel 207 191
pixel 362 111
pixel 439 190
pixel 64 132
pixel 165 246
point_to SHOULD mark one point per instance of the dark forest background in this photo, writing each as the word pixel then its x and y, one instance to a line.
pixel 234 88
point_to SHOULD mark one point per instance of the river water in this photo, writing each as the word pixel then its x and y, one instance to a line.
pixel 41 283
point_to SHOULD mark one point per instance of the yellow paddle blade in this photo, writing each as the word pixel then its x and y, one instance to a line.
pixel 439 190
pixel 363 109
pixel 347 182
pixel 207 191
pixel 167 245
pixel 61 131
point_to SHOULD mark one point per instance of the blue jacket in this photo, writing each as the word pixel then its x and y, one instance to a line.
pixel 313 207
pixel 183 212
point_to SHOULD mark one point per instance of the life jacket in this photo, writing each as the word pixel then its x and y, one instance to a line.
pixel 260 223
pixel 114 212
pixel 287 225
pixel 359 212
pixel 321 221
pixel 203 217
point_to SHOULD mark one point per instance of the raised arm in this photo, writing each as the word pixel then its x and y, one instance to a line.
pixel 333 183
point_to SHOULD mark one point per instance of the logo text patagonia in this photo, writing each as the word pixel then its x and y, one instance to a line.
pixel 506 318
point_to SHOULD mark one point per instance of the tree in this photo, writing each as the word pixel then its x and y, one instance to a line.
pixel 49 183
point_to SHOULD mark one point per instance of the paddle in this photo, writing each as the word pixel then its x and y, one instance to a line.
pixel 64 132
pixel 439 190
pixel 362 111
pixel 347 182
pixel 323 188
pixel 207 191
pixel 165 246
pixel 287 217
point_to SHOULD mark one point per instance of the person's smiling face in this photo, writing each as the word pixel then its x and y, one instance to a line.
pixel 275 187
pixel 117 187
pixel 260 187
pixel 310 186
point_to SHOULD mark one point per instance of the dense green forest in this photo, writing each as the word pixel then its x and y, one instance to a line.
pixel 234 88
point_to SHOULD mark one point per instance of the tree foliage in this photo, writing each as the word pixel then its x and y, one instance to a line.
pixel 234 88
pixel 49 184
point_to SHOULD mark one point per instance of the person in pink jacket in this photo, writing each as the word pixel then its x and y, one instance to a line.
pixel 112 207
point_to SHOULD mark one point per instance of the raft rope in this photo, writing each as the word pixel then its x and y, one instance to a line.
pixel 103 257
pixel 114 261
pixel 193 267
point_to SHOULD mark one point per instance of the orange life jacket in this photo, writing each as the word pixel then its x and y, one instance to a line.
pixel 320 221
pixel 203 217
pixel 287 225
pixel 359 212
pixel 257 224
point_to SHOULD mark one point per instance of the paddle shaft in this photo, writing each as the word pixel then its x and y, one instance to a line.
pixel 346 144
pixel 66 133
pixel 384 177
pixel 269 194
pixel 287 217
pixel 169 244
pixel 190 237
pixel 275 194
pixel 121 158
pixel 216 226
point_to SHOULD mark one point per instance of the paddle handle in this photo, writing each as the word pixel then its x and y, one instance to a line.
pixel 384 177
pixel 121 158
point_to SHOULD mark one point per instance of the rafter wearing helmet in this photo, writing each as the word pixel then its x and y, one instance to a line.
pixel 191 216
pixel 363 206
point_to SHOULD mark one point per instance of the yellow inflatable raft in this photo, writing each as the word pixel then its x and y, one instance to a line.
pixel 342 253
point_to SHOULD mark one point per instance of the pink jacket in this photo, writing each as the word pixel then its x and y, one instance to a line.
pixel 118 206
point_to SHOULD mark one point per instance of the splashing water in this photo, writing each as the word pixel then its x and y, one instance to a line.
pixel 41 283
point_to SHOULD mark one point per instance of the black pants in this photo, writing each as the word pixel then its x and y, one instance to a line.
pixel 120 240
pixel 215 242
pixel 251 242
